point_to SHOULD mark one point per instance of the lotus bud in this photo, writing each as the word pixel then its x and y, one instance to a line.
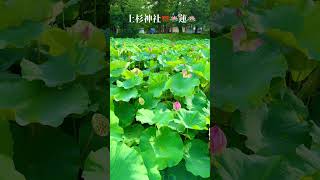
pixel 218 140
pixel 185 74
pixel 87 32
pixel 176 105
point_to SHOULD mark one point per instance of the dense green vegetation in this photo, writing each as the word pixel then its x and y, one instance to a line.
pixel 266 89
pixel 159 109
pixel 175 36
pixel 53 85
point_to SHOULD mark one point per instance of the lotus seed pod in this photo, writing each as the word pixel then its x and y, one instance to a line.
pixel 136 71
pixel 218 140
pixel 141 101
pixel 100 124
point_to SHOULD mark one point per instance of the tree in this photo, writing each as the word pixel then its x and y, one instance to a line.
pixel 120 11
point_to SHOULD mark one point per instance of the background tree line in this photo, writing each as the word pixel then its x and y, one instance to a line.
pixel 120 10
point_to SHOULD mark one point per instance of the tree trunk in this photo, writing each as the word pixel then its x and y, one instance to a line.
pixel 196 30
pixel 180 28
pixel 123 25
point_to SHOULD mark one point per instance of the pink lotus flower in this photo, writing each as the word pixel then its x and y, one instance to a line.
pixel 176 105
pixel 241 41
pixel 87 32
pixel 185 74
pixel 218 140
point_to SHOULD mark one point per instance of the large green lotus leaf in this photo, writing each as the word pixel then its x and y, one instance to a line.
pixel 117 67
pixel 35 103
pixel 116 131
pixel 296 104
pixel 165 145
pixel 234 165
pixel 126 163
pixel 197 158
pixel 299 64
pixel 177 125
pixel 143 56
pixel 87 134
pixel 121 94
pixel 149 101
pixel 53 72
pixel 310 25
pixel 126 113
pixel 8 171
pixel 178 172
pixel 94 37
pixel 308 160
pixel 157 83
pixel 235 86
pixel 131 78
pixel 42 152
pixel 15 12
pixel 296 31
pixel 70 11
pixel 145 116
pixel 21 35
pixel 181 86
pixel 315 176
pixel 192 119
pixel 163 118
pixel 63 69
pixel 272 129
pixel 315 133
pixel 299 76
pixel 132 134
pixel 58 40
pixel 5 139
pixel 130 83
pixel 97 165
pixel 7 114
pixel 147 151
pixel 202 69
pixel 197 102
pixel 10 56
pixel 151 165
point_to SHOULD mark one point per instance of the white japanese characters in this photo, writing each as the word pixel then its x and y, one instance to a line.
pixel 156 18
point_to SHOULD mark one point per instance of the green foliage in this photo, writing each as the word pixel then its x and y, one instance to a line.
pixel 265 94
pixel 147 77
pixel 52 86
pixel 121 9
pixel 175 36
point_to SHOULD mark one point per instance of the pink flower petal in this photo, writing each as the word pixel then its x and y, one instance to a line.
pixel 176 105
pixel 218 140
